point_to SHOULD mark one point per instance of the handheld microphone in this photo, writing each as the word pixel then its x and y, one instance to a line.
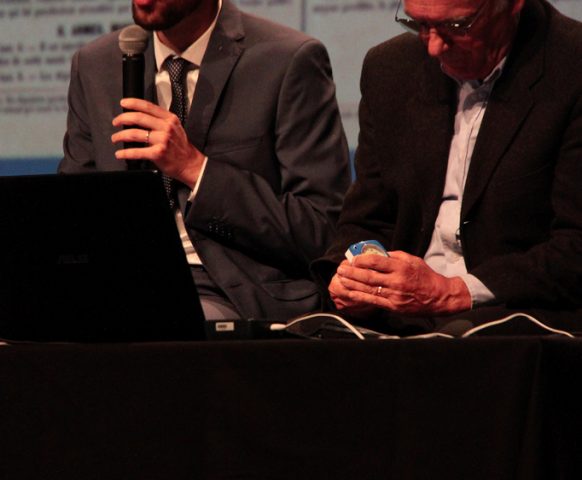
pixel 133 40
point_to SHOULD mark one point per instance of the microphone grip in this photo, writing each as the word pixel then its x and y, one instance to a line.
pixel 133 76
pixel 133 86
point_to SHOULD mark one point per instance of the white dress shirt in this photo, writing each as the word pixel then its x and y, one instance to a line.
pixel 194 54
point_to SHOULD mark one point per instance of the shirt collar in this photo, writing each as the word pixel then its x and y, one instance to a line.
pixel 489 80
pixel 194 53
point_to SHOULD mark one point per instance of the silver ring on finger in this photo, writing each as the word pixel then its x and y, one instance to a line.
pixel 379 290
pixel 147 140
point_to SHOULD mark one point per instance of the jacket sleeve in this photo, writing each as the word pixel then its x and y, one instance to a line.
pixel 369 206
pixel 295 223
pixel 78 141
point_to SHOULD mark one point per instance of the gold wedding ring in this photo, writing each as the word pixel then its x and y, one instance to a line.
pixel 147 140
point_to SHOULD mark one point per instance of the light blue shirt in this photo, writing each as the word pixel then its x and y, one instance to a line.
pixel 445 252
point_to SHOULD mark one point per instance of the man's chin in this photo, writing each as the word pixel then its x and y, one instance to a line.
pixel 148 20
pixel 456 72
pixel 145 25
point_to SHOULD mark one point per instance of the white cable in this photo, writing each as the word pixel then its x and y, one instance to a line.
pixel 357 331
pixel 348 325
pixel 509 317
pixel 429 335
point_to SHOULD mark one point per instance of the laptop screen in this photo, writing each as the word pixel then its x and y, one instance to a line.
pixel 93 257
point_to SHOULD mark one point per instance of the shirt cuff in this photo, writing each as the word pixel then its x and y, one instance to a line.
pixel 197 185
pixel 480 294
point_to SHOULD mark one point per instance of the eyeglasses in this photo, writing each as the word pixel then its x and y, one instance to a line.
pixel 455 27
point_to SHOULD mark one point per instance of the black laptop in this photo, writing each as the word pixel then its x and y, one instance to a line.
pixel 93 258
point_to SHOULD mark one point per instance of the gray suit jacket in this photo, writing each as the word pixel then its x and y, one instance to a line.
pixel 265 114
pixel 521 218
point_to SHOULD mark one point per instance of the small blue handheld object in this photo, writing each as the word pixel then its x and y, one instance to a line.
pixel 366 247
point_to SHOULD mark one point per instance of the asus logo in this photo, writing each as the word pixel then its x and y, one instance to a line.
pixel 72 258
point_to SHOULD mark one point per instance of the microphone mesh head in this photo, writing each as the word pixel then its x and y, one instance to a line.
pixel 133 40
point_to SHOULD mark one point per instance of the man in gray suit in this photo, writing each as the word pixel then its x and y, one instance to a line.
pixel 260 163
pixel 472 175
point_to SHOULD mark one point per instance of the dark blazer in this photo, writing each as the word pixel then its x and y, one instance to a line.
pixel 265 114
pixel 521 219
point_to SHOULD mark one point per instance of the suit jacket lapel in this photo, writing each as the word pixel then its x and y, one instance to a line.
pixel 223 52
pixel 434 130
pixel 509 104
